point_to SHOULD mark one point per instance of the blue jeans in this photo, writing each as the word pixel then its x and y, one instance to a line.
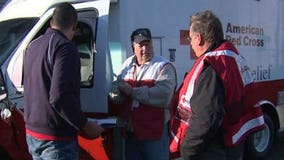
pixel 147 150
pixel 55 150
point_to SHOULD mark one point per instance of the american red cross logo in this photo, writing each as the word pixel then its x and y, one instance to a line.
pixel 183 102
pixel 183 41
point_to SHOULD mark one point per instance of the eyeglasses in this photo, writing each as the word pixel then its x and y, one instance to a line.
pixel 189 38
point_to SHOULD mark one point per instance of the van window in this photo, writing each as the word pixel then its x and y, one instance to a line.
pixel 84 41
pixel 11 34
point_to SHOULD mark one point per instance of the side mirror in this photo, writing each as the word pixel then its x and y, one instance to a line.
pixel 3 91
pixel 6 113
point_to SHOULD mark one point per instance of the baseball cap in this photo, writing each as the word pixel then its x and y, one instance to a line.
pixel 141 34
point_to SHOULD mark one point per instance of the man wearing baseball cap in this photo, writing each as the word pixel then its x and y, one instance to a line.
pixel 148 82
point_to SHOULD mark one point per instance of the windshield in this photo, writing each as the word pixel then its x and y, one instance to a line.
pixel 11 34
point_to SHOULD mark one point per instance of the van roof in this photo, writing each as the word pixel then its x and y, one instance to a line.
pixel 28 8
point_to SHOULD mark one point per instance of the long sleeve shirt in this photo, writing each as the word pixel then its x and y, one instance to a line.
pixel 52 87
pixel 207 105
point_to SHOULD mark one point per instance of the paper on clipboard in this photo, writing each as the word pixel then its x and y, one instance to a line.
pixel 105 121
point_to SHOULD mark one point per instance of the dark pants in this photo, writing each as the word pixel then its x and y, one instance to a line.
pixel 235 153
pixel 217 151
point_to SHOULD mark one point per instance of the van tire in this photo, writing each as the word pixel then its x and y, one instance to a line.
pixel 258 145
pixel 4 155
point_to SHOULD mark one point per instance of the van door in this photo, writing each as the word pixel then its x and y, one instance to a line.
pixel 91 40
pixel 94 94
pixel 96 72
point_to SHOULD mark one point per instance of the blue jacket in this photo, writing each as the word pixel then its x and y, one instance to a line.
pixel 52 87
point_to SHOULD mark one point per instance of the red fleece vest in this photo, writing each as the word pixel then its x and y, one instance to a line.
pixel 242 116
pixel 148 121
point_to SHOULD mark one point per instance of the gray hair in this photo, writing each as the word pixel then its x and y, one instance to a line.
pixel 208 25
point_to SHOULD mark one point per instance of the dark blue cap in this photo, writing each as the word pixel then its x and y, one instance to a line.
pixel 140 35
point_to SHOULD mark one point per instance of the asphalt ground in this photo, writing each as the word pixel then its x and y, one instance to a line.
pixel 277 152
pixel 278 148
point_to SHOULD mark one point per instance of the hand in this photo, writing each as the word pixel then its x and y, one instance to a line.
pixel 125 87
pixel 91 130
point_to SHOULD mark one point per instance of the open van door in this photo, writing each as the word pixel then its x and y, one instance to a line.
pixel 91 39
pixel 96 75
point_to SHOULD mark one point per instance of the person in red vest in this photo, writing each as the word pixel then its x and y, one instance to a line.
pixel 148 81
pixel 211 118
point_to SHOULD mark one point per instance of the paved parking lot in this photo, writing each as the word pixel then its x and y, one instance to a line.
pixel 278 149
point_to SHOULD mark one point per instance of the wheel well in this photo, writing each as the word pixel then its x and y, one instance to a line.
pixel 4 154
pixel 271 111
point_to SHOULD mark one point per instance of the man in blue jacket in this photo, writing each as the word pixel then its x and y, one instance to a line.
pixel 52 112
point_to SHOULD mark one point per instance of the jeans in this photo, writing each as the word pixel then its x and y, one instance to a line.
pixel 147 150
pixel 55 150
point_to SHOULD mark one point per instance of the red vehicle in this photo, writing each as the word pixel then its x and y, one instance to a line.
pixel 103 41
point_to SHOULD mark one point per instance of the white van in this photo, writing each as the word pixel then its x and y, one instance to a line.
pixel 103 38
